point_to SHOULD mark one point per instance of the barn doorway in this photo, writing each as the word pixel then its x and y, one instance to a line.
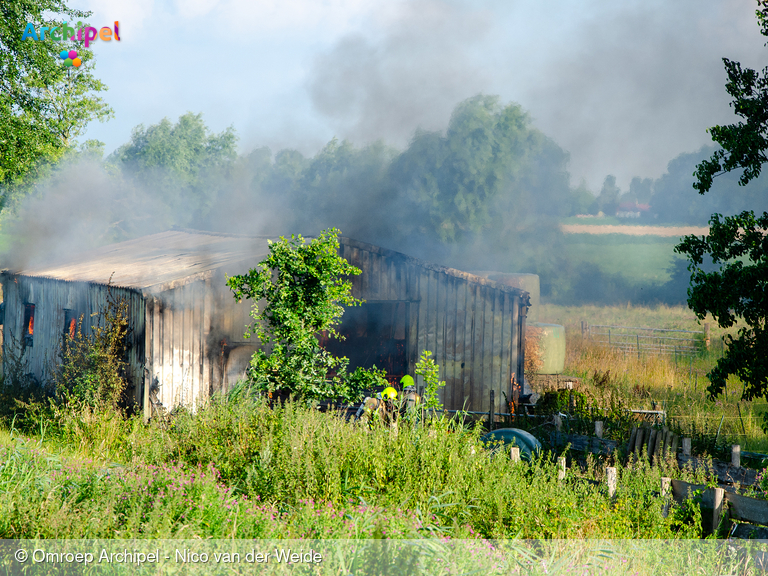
pixel 375 335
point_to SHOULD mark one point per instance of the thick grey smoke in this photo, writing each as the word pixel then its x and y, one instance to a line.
pixel 624 87
pixel 79 207
pixel 638 85
pixel 411 77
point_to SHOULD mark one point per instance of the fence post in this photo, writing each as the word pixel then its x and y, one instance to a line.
pixel 706 335
pixel 666 484
pixel 599 428
pixel 514 454
pixel 491 414
pixel 639 442
pixel 717 513
pixel 673 448
pixel 658 445
pixel 638 347
pixel 610 480
pixel 736 455
pixel 686 447
pixel 561 468
pixel 582 330
pixel 651 443
pixel 632 436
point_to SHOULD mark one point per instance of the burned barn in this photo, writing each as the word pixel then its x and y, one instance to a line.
pixel 187 332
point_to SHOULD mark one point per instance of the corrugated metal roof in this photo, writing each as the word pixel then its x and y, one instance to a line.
pixel 163 261
pixel 155 261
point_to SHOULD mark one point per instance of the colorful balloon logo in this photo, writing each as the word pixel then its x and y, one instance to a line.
pixel 70 58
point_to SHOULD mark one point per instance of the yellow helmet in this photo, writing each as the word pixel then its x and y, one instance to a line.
pixel 389 393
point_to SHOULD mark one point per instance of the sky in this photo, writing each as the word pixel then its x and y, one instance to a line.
pixel 623 86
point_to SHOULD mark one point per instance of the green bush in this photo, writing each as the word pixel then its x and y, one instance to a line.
pixel 92 370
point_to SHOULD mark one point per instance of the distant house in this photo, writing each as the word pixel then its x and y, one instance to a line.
pixel 632 210
pixel 187 330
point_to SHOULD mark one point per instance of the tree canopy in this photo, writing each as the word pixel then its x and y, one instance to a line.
pixel 44 106
pixel 184 164
pixel 738 244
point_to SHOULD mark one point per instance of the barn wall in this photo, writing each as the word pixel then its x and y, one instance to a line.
pixel 51 298
pixel 195 343
pixel 474 328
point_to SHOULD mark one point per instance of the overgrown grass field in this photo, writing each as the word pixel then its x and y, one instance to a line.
pixel 243 469
pixel 660 382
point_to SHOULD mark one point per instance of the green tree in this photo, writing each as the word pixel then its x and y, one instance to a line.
pixel 185 164
pixel 608 200
pixel 489 161
pixel 44 106
pixel 305 287
pixel 739 244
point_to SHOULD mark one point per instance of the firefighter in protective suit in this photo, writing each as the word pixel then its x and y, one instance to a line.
pixel 385 407
pixel 380 408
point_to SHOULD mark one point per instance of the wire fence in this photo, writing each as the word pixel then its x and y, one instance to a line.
pixel 635 340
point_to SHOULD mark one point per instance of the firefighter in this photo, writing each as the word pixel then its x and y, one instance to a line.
pixel 411 398
pixel 382 407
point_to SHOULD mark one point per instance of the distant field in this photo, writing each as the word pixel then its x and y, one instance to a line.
pixel 671 317
pixel 640 259
pixel 632 230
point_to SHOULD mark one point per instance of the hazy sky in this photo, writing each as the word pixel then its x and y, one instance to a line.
pixel 624 86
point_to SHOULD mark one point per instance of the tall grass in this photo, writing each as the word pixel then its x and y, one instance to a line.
pixel 247 470
pixel 658 381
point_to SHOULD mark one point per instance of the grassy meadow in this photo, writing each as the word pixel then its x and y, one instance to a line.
pixel 657 381
pixel 242 469
pixel 638 259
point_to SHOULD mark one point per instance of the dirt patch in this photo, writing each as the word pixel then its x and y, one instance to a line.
pixel 671 231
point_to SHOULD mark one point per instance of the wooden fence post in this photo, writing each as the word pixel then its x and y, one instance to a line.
pixel 659 445
pixel 598 429
pixel 651 443
pixel 666 484
pixel 639 442
pixel 717 513
pixel 675 441
pixel 667 442
pixel 561 468
pixel 632 437
pixel 686 447
pixel 491 413
pixel 558 423
pixel 514 454
pixel 736 455
pixel 706 335
pixel 610 480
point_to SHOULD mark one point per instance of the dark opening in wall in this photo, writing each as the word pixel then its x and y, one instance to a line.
pixel 70 323
pixel 375 335
pixel 29 324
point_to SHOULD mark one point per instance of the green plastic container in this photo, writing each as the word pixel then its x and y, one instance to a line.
pixel 553 347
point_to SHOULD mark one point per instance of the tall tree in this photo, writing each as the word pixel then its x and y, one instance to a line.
pixel 44 106
pixel 738 244
pixel 184 164
pixel 489 161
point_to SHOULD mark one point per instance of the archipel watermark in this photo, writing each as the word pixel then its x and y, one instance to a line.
pixel 85 34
